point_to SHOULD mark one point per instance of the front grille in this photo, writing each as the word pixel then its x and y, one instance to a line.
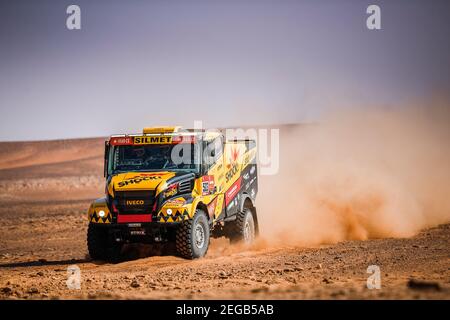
pixel 134 202
pixel 185 186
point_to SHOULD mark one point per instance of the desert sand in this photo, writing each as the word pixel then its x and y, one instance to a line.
pixel 45 191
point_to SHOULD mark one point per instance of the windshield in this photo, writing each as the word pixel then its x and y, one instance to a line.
pixel 166 157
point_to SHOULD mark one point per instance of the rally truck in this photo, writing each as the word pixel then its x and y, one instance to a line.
pixel 174 186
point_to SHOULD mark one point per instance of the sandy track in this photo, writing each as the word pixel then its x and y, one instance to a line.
pixel 37 248
pixel 43 226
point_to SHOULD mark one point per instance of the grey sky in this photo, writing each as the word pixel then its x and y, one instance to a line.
pixel 141 63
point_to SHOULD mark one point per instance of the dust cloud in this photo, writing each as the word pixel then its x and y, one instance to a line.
pixel 358 175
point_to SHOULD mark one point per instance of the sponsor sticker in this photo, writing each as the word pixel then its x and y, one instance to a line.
pixel 183 139
pixel 138 179
pixel 208 185
pixel 134 202
pixel 121 141
pixel 233 191
pixel 141 140
pixel 137 232
pixel 176 202
pixel 170 192
pixel 152 140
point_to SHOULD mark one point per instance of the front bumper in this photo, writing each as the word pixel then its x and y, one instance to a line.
pixel 170 212
pixel 151 232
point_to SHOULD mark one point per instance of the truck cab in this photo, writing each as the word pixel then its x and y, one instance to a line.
pixel 168 185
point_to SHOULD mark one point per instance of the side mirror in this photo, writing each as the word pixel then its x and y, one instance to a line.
pixel 105 162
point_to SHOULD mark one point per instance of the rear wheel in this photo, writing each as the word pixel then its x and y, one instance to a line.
pixel 243 229
pixel 101 246
pixel 192 238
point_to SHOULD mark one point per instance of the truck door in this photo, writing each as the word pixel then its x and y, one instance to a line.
pixel 214 179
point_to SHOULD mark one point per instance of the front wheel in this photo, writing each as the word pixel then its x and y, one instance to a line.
pixel 101 245
pixel 192 238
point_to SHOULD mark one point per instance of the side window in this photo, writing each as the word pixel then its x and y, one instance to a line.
pixel 212 152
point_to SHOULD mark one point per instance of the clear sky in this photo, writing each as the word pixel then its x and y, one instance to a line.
pixel 142 63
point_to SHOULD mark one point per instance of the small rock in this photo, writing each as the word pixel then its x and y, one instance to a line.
pixel 92 295
pixel 6 290
pixel 40 273
pixel 33 290
pixel 260 289
pixel 291 279
pixel 423 285
pixel 299 269
pixel 18 293
pixel 135 284
pixel 319 266
pixel 338 293
pixel 327 281
pixel 223 275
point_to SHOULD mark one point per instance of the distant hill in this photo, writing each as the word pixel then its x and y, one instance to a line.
pixel 37 159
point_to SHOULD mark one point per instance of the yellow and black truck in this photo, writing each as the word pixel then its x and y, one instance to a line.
pixel 169 185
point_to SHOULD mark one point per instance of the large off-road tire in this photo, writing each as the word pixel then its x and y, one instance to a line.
pixel 193 235
pixel 243 229
pixel 101 246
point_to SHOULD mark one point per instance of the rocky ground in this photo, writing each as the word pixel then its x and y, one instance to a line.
pixel 41 240
pixel 43 227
